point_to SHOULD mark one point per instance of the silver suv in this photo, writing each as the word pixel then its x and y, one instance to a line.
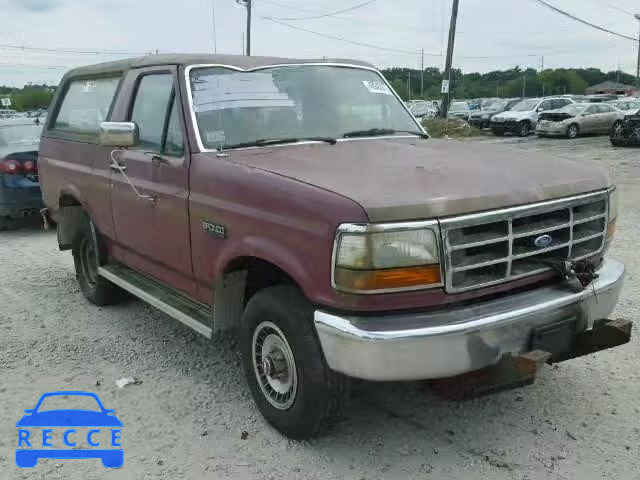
pixel 522 118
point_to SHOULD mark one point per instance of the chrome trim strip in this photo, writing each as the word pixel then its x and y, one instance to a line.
pixel 194 120
pixel 362 228
pixel 456 340
pixel 542 230
pixel 488 263
pixel 156 302
pixel 589 219
pixel 462 246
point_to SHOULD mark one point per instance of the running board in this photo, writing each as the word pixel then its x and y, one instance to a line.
pixel 193 314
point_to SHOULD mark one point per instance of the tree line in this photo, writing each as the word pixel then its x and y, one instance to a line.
pixel 515 82
pixel 29 97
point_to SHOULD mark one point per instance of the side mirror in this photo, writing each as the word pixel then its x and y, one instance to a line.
pixel 119 134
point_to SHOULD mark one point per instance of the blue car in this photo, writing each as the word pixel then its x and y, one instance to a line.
pixel 20 194
pixel 67 419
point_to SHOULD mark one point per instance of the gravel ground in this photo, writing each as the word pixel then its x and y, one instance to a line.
pixel 192 417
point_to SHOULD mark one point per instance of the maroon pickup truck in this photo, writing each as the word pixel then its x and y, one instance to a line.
pixel 300 203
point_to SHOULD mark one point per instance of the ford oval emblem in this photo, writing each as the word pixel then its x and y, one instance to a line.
pixel 543 241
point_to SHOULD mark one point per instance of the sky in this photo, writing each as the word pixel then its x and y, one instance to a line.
pixel 492 34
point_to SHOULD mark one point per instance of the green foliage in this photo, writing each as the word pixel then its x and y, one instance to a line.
pixel 502 83
pixel 30 97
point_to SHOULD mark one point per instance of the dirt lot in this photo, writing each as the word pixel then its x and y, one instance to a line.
pixel 187 418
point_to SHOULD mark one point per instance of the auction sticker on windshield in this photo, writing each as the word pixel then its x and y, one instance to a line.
pixel 376 87
pixel 91 431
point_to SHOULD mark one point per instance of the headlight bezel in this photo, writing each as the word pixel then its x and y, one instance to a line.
pixel 613 211
pixel 365 229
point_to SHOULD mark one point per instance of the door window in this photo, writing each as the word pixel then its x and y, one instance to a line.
pixel 546 105
pixel 156 113
pixel 559 103
pixel 591 110
pixel 86 104
pixel 604 109
pixel 150 109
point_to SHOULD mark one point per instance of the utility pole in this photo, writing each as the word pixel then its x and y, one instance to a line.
pixel 446 97
pixel 637 15
pixel 409 85
pixel 542 73
pixel 213 17
pixel 524 85
pixel 247 4
pixel 422 76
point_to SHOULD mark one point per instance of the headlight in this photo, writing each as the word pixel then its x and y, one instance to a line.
pixel 613 213
pixel 386 257
pixel 486 116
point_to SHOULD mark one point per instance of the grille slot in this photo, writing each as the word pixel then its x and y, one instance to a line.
pixel 495 247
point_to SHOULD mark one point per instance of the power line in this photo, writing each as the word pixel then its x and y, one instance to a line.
pixel 341 39
pixel 369 2
pixel 73 51
pixel 592 25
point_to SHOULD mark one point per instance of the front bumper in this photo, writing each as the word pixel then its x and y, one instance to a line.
pixel 451 342
pixel 506 125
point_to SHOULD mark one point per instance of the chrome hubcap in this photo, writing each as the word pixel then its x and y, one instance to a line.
pixel 274 366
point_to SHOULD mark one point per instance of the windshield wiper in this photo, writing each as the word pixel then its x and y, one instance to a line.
pixel 376 132
pixel 280 141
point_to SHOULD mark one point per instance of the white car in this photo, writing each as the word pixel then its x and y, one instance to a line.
pixel 522 118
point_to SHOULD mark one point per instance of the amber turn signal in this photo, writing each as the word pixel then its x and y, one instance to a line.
pixel 388 279
pixel 611 229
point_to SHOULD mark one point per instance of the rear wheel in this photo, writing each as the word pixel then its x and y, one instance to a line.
pixel 573 131
pixel 88 253
pixel 289 379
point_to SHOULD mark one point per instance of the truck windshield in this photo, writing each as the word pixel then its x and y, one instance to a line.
pixel 292 102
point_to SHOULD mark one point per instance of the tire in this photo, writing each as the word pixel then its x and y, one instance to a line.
pixel 278 319
pixel 573 131
pixel 524 128
pixel 89 252
pixel 616 135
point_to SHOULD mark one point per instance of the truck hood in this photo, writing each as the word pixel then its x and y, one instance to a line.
pixel 405 179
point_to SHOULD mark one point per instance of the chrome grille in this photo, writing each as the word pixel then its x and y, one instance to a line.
pixel 494 247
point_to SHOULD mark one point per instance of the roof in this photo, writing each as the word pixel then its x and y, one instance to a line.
pixel 239 61
pixel 610 85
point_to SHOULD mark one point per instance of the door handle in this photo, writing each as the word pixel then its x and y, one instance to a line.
pixel 118 167
pixel 156 159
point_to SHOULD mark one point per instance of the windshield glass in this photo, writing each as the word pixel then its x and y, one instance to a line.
pixel 297 101
pixel 525 105
pixel 459 107
pixel 19 134
pixel 498 106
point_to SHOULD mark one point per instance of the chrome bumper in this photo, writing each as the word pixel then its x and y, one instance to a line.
pixel 456 341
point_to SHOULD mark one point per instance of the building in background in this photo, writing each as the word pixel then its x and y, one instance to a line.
pixel 612 88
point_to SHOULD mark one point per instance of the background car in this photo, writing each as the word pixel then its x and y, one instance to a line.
pixel 482 118
pixel 522 118
pixel 627 105
pixel 20 194
pixel 421 109
pixel 460 110
pixel 579 118
pixel 627 132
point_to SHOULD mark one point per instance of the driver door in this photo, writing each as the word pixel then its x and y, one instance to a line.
pixel 149 196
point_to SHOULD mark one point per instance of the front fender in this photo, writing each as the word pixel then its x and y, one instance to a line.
pixel 270 251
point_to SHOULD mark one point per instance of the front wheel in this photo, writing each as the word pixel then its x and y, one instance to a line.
pixel 292 385
pixel 573 131
pixel 524 128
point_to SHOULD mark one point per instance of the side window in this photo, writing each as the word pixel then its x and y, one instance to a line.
pixel 546 105
pixel 174 143
pixel 150 109
pixel 591 110
pixel 559 103
pixel 86 104
pixel 604 108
